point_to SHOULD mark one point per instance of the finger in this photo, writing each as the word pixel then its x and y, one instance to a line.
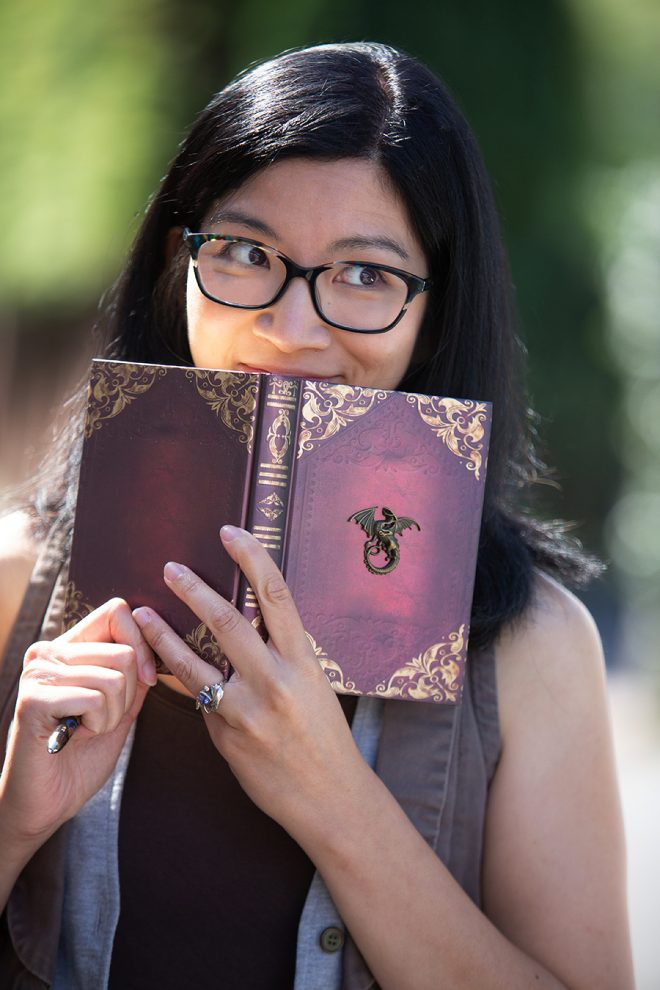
pixel 279 612
pixel 71 663
pixel 181 661
pixel 193 672
pixel 43 705
pixel 237 638
pixel 113 622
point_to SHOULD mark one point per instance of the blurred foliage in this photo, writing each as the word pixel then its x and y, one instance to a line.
pixel 83 112
pixel 621 201
pixel 564 98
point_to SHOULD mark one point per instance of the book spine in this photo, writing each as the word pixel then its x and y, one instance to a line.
pixel 272 475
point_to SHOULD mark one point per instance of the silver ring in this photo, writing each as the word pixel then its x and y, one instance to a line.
pixel 210 697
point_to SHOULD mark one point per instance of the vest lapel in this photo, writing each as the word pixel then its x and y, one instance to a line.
pixel 414 756
pixel 27 628
pixel 35 905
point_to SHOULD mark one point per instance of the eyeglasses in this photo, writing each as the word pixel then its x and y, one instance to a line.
pixel 351 295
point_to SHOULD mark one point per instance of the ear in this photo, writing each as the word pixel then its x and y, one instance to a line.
pixel 172 244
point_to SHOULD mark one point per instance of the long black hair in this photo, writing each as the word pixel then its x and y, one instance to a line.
pixel 370 101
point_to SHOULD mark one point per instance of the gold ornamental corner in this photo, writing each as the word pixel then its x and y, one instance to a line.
pixel 327 408
pixel 232 397
pixel 435 675
pixel 113 386
pixel 460 426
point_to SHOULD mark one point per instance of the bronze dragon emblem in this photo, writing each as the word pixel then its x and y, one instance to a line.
pixel 382 536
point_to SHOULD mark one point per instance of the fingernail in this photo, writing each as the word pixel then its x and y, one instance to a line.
pixel 142 616
pixel 172 571
pixel 148 673
pixel 229 533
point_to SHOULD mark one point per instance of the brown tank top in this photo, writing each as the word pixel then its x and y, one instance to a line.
pixel 235 880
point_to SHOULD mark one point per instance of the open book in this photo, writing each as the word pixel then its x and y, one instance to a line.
pixel 368 500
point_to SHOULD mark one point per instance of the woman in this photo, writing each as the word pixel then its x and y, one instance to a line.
pixel 507 867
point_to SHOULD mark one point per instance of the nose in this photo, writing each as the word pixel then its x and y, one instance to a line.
pixel 292 323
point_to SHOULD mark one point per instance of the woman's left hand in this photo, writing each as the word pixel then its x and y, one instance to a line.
pixel 279 725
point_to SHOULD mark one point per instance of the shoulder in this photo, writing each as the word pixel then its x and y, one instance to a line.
pixel 554 854
pixel 550 662
pixel 18 553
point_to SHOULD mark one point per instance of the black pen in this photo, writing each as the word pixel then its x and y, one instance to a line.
pixel 60 737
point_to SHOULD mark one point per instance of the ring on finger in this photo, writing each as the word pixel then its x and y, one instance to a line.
pixel 210 697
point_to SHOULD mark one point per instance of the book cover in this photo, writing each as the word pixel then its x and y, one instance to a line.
pixel 368 500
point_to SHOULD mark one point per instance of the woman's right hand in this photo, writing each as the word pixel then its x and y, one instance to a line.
pixel 100 671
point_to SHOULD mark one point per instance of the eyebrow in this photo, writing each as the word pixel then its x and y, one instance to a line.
pixel 245 220
pixel 387 243
pixel 342 244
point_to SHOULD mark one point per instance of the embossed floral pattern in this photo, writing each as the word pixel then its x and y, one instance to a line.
pixel 279 436
pixel 460 425
pixel 331 669
pixel 232 397
pixel 285 388
pixel 328 408
pixel 113 386
pixel 75 606
pixel 434 674
pixel 272 506
pixel 202 642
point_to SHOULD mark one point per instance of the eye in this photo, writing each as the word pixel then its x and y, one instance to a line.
pixel 243 253
pixel 364 276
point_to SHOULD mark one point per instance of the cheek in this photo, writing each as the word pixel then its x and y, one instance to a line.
pixel 399 345
pixel 209 327
pixel 383 360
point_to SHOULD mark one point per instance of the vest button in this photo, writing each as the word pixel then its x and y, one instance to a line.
pixel 332 939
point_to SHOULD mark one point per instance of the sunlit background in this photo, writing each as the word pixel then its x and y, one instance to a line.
pixel 565 100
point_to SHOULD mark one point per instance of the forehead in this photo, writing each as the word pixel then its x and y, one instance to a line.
pixel 303 204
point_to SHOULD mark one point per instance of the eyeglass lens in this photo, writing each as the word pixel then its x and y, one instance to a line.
pixel 362 297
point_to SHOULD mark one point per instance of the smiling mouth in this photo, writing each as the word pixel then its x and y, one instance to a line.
pixel 287 372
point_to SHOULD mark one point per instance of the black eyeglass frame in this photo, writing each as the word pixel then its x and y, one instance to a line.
pixel 194 241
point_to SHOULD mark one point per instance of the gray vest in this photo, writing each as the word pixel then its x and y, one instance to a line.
pixel 63 911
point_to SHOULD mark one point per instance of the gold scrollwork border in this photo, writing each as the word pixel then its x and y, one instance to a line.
pixel 460 425
pixel 75 606
pixel 285 388
pixel 271 507
pixel 435 675
pixel 279 436
pixel 112 387
pixel 327 408
pixel 232 397
pixel 204 645
pixel 331 669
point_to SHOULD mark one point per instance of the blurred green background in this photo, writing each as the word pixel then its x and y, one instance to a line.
pixel 565 100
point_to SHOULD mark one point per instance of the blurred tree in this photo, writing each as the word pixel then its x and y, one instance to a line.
pixel 622 202
pixel 83 110
pixel 86 107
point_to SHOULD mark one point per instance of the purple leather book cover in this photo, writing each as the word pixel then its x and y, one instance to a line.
pixel 369 500
pixel 166 461
pixel 383 532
